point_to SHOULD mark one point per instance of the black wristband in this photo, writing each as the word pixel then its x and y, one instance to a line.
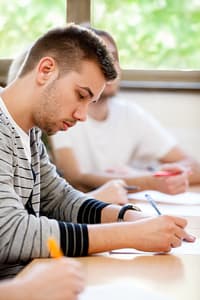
pixel 124 208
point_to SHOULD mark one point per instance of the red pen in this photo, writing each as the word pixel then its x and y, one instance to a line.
pixel 166 173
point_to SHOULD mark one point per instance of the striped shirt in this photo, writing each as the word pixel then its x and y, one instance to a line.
pixel 35 203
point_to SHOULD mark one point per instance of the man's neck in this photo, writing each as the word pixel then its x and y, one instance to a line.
pixel 99 111
pixel 17 105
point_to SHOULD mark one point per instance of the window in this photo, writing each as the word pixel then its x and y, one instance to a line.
pixel 22 21
pixel 157 34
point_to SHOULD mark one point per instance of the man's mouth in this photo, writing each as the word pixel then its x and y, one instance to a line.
pixel 67 125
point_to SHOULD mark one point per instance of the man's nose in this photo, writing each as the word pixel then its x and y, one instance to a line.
pixel 80 113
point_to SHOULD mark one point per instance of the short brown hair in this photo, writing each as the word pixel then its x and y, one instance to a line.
pixel 70 45
pixel 106 34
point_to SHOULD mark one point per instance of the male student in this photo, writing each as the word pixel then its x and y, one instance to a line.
pixel 65 70
pixel 59 279
pixel 115 136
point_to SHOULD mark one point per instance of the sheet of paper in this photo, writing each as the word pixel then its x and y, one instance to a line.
pixel 188 248
pixel 130 251
pixel 118 291
pixel 171 209
pixel 185 248
pixel 188 198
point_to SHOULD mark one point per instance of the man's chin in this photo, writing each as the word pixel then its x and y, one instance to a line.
pixel 50 132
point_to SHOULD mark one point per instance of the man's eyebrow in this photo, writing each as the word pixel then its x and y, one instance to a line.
pixel 88 90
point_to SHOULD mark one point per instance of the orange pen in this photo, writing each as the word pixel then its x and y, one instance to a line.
pixel 54 249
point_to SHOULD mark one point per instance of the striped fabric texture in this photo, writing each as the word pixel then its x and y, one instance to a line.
pixel 36 203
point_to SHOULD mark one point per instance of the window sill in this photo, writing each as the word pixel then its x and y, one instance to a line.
pixel 161 79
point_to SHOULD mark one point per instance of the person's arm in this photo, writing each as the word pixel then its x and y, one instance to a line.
pixel 58 279
pixel 149 234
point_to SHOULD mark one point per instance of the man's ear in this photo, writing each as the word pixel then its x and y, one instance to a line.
pixel 46 70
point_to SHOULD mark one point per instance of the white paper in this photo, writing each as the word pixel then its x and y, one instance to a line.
pixel 118 291
pixel 188 248
pixel 171 209
pixel 130 251
pixel 185 248
pixel 188 198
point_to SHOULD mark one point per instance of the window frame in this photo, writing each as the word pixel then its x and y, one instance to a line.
pixel 80 11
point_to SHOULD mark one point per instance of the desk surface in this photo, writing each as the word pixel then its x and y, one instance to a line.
pixel 174 276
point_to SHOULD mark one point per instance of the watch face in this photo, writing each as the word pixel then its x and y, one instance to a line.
pixel 132 207
pixel 135 207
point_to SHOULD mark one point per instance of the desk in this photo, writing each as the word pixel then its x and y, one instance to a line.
pixel 175 276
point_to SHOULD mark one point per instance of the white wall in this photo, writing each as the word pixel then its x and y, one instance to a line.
pixel 177 111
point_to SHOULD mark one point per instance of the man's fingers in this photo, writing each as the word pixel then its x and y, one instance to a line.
pixel 181 222
pixel 189 238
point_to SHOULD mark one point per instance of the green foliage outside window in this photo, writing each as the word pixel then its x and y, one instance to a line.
pixel 22 21
pixel 161 34
pixel 151 34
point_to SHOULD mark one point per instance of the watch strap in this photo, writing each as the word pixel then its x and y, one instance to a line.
pixel 123 210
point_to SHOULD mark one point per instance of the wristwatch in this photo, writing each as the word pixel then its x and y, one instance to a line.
pixel 124 208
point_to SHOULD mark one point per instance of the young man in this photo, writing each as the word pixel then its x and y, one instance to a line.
pixel 65 70
pixel 115 136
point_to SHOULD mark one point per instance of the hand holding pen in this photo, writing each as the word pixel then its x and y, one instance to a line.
pixel 54 249
pixel 180 224
pixel 171 169
pixel 170 181
pixel 65 277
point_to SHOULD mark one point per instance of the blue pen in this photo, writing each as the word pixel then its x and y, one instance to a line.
pixel 153 204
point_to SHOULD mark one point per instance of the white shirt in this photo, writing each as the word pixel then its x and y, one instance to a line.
pixel 24 136
pixel 129 134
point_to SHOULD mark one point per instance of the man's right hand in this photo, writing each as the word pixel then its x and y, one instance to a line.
pixel 159 234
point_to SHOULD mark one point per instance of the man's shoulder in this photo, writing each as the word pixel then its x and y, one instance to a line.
pixel 6 129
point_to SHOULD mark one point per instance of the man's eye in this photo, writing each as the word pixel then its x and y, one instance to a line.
pixel 81 96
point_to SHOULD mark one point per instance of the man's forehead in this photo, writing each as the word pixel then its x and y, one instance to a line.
pixel 92 76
